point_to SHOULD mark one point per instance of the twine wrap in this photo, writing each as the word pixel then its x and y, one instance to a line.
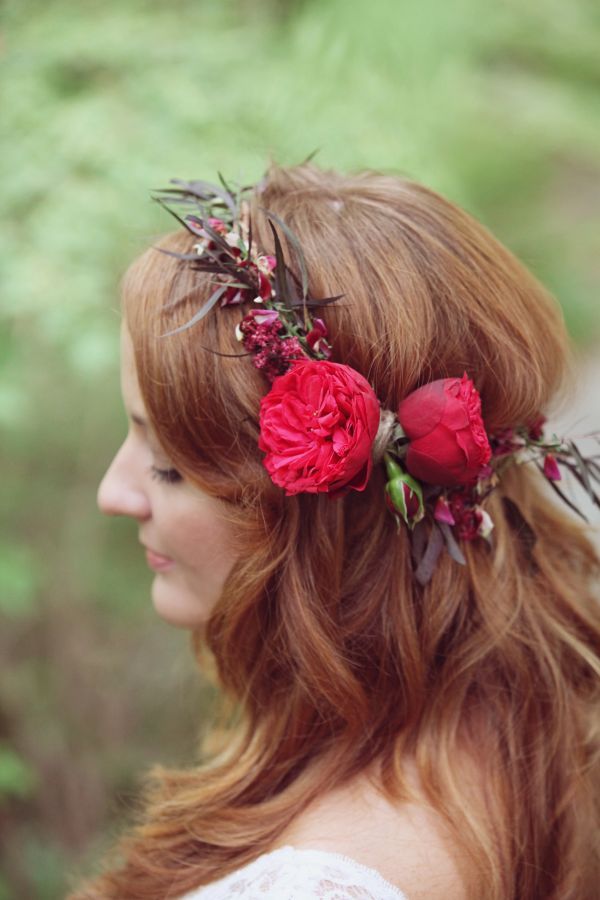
pixel 387 423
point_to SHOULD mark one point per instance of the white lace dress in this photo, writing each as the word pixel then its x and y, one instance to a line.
pixel 291 874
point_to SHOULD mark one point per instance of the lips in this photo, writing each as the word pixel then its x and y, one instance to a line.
pixel 157 561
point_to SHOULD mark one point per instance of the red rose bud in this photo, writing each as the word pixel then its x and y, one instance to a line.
pixel 405 493
pixel 317 427
pixel 536 429
pixel 448 443
pixel 317 332
pixel 551 470
pixel 442 512
pixel 265 289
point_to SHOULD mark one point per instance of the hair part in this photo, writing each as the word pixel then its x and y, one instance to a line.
pixel 331 653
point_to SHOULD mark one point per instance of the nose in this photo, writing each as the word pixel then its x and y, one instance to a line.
pixel 121 491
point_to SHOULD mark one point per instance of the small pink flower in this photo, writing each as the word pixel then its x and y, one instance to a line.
pixel 266 264
pixel 442 511
pixel 217 225
pixel 265 316
pixel 505 442
pixel 316 334
pixel 233 296
pixel 551 470
pixel 265 288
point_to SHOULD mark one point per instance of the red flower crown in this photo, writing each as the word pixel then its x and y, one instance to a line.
pixel 321 425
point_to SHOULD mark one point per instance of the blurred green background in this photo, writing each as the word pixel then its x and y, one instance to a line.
pixel 495 105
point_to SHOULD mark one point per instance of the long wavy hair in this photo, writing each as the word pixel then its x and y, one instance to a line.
pixel 329 655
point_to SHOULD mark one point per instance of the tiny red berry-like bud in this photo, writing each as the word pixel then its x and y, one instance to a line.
pixel 536 429
pixel 551 470
pixel 264 287
pixel 316 334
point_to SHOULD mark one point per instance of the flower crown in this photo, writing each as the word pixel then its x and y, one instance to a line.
pixel 322 427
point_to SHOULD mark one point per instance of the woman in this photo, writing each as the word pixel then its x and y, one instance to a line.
pixel 411 693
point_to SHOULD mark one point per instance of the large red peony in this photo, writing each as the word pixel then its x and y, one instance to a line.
pixel 317 427
pixel 448 443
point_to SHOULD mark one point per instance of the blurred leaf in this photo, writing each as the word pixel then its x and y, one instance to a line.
pixel 18 569
pixel 17 779
pixel 5 890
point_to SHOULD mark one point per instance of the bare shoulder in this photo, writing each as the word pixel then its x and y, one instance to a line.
pixel 405 842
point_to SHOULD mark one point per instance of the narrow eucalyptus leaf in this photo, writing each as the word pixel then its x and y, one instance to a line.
pixel 280 280
pixel 451 544
pixel 172 212
pixel 206 191
pixel 219 353
pixel 187 257
pixel 297 249
pixel 586 485
pixel 435 545
pixel 212 300
pixel 582 470
pixel 564 497
pixel 417 541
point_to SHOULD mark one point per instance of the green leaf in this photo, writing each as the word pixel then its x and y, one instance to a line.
pixel 17 779
pixel 17 581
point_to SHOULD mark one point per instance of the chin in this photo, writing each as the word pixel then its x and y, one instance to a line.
pixel 176 606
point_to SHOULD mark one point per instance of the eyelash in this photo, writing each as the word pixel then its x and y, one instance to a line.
pixel 167 476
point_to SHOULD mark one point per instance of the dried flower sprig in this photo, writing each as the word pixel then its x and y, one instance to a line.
pixel 281 328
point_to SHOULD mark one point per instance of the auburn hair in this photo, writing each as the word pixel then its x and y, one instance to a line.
pixel 330 656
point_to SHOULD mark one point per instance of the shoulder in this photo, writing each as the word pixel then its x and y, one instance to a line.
pixel 407 843
pixel 289 873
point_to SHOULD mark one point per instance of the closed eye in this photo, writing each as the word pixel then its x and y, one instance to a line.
pixel 168 476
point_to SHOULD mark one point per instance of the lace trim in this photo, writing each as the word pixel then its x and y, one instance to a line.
pixel 269 873
pixel 352 863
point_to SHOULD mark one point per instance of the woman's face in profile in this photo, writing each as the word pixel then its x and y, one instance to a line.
pixel 189 545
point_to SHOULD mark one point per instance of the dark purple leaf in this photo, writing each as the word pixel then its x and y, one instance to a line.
pixel 280 280
pixel 174 214
pixel 297 249
pixel 212 300
pixel 563 496
pixel 187 257
pixel 428 562
pixel 451 544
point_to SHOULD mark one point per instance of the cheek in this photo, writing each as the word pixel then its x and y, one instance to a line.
pixel 202 541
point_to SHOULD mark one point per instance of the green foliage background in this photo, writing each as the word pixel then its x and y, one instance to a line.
pixel 495 105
